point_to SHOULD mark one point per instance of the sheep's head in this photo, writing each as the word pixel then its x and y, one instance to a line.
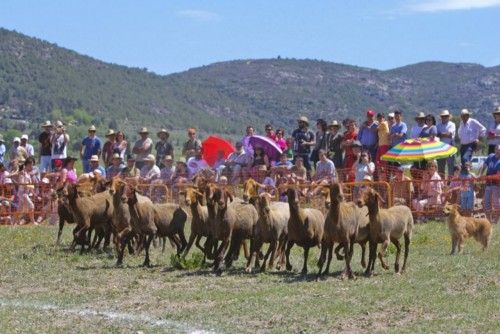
pixel 325 192
pixel 192 195
pixel 119 192
pixel 293 194
pixel 250 189
pixel 336 193
pixel 371 198
pixel 132 198
pixel 209 194
pixel 264 203
pixel 221 196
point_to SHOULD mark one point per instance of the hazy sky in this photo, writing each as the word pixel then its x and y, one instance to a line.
pixel 170 36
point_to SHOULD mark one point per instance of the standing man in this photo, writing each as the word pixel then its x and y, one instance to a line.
pixel 2 149
pixel 367 135
pixel 398 129
pixel 491 199
pixel 27 146
pixel 494 131
pixel 45 147
pixel 303 140
pixel 90 148
pixel 446 131
pixel 334 144
pixel 417 128
pixel 59 142
pixel 142 149
pixel 250 131
pixel 469 132
pixel 107 149
pixel 163 147
pixel 191 145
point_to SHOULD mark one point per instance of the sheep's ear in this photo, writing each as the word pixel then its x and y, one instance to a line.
pixel 379 197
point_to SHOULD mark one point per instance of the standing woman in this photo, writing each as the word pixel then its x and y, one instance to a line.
pixel 493 132
pixel 321 140
pixel 350 136
pixel 280 139
pixel 26 190
pixel 334 144
pixel 429 130
pixel 69 171
pixel 121 145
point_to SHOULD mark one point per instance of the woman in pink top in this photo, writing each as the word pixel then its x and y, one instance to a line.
pixel 280 139
pixel 69 172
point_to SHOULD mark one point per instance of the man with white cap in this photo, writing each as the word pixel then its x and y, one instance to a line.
pixel 416 129
pixel 116 166
pixel 149 170
pixel 94 166
pixel 90 146
pixel 2 149
pixel 303 140
pixel 59 142
pixel 446 131
pixel 27 146
pixel 469 132
pixel 493 131
pixel 142 148
pixel 17 152
pixel 45 147
pixel 108 147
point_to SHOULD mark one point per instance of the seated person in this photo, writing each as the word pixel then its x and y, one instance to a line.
pixel 263 178
pixel 325 173
pixel 260 158
pixel 116 166
pixel 402 188
pixel 149 171
pixel 234 164
pixel 196 163
pixel 299 172
pixel 453 190
pixel 283 166
pixel 130 173
pixel 431 188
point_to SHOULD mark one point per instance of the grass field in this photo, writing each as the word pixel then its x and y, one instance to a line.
pixel 44 288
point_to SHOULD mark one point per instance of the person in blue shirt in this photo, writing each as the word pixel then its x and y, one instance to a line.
pixel 398 129
pixel 94 165
pixel 91 145
pixel 467 188
pixel 303 140
pixel 492 190
pixel 368 136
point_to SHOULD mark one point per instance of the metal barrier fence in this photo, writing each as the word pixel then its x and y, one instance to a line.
pixel 426 198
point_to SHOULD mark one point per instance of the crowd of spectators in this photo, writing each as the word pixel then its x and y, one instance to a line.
pixel 311 157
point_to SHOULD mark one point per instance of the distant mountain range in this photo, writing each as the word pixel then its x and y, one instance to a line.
pixel 40 80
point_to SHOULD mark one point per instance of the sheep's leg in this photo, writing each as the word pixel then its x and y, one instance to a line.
pixel 381 254
pixel 245 250
pixel 107 240
pixel 163 244
pixel 339 256
pixel 363 254
pixel 371 258
pixel 287 254
pixel 124 240
pixel 281 253
pixel 322 258
pixel 232 253
pixel 398 254
pixel 254 248
pixel 271 251
pixel 220 256
pixel 407 251
pixel 59 233
pixel 348 250
pixel 329 260
pixel 147 244
pixel 460 245
pixel 306 256
pixel 183 241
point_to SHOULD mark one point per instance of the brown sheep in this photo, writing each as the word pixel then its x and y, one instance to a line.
pixel 199 221
pixel 271 227
pixel 305 227
pixel 341 226
pixel 386 225
pixel 233 223
pixel 170 220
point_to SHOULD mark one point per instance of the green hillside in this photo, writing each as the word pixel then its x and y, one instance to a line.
pixel 39 80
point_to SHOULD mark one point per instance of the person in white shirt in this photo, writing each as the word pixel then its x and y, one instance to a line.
pixel 493 133
pixel 27 146
pixel 196 163
pixel 469 132
pixel 149 171
pixel 417 128
pixel 446 132
pixel 235 163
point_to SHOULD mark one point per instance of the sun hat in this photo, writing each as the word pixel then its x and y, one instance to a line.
pixel 391 114
pixel 356 143
pixel 46 124
pixel 59 124
pixel 497 110
pixel 262 168
pixel 24 136
pixel 420 115
pixel 45 180
pixel 167 158
pixel 97 172
pixel 16 139
pixel 143 130
pixel 303 119
pixel 464 112
pixel 334 123
pixel 370 113
pixel 94 158
pixel 182 160
pixel 150 157
pixel 110 132
pixel 444 113
pixel 117 156
pixel 163 131
pixel 92 128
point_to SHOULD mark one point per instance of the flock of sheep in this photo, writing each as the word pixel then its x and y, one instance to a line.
pixel 133 221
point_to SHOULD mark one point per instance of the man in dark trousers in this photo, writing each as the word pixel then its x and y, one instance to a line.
pixel 303 140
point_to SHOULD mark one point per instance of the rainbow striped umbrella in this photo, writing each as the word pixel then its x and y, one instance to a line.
pixel 419 149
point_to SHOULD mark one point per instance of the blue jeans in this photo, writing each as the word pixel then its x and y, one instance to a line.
pixel 491 195
pixel 86 166
pixel 450 161
pixel 467 200
pixel 45 163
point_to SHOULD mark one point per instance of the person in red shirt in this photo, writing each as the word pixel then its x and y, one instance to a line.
pixel 270 132
pixel 350 136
